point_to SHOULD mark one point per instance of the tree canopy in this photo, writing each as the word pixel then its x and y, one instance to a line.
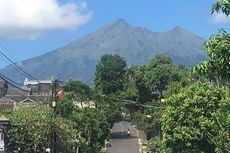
pixel 110 73
pixel 218 67
pixel 79 89
pixel 193 121
pixel 153 79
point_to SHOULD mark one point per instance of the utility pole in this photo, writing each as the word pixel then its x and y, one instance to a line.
pixel 53 106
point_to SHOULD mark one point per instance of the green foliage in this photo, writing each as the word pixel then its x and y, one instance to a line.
pixel 32 127
pixel 79 89
pixel 159 73
pixel 218 49
pixel 191 121
pixel 93 123
pixel 130 91
pixel 153 79
pixel 66 107
pixel 160 59
pixel 184 78
pixel 110 74
pixel 94 128
pixel 154 145
pixel 85 129
pixel 223 5
pixel 68 136
pixel 150 121
pixel 110 106
pixel 144 93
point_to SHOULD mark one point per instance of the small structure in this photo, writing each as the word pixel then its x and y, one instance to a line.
pixel 28 82
pixel 4 125
pixel 3 88
pixel 38 87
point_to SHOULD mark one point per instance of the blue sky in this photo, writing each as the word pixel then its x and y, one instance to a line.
pixel 27 35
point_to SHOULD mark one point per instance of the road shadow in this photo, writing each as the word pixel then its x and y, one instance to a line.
pixel 122 135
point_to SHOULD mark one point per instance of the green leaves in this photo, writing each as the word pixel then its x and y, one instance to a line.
pixel 223 5
pixel 153 79
pixel 94 128
pixel 218 68
pixel 190 120
pixel 110 73
pixel 79 89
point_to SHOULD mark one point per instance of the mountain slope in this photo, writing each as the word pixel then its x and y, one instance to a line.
pixel 136 44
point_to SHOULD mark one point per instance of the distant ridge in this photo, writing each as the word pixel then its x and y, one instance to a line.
pixel 137 45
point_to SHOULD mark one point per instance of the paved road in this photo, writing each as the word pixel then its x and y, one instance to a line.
pixel 120 142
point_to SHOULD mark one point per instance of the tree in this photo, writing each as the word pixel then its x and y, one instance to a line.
pixel 184 78
pixel 94 128
pixel 129 91
pixel 79 89
pixel 31 130
pixel 218 67
pixel 223 5
pixel 150 121
pixel 161 71
pixel 144 93
pixel 66 106
pixel 193 121
pixel 110 106
pixel 110 73
pixel 153 79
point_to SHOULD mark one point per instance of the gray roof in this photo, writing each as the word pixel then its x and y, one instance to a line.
pixel 36 98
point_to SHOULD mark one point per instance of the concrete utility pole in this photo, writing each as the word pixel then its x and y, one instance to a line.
pixel 53 105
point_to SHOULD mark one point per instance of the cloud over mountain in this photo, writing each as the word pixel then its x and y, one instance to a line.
pixel 31 18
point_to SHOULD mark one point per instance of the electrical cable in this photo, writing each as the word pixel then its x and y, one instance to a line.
pixel 18 67
pixel 4 56
pixel 135 103
pixel 7 51
pixel 13 84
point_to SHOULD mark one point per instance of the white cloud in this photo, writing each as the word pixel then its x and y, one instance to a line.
pixel 220 18
pixel 31 18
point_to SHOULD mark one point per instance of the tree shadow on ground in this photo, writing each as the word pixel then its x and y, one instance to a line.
pixel 122 135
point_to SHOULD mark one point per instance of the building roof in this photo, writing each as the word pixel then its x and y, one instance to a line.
pixel 35 98
pixel 34 82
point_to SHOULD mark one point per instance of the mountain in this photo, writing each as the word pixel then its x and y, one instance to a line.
pixel 136 44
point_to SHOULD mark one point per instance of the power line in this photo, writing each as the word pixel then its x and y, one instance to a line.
pixel 3 46
pixel 18 67
pixel 136 103
pixel 10 80
pixel 14 63
pixel 12 83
